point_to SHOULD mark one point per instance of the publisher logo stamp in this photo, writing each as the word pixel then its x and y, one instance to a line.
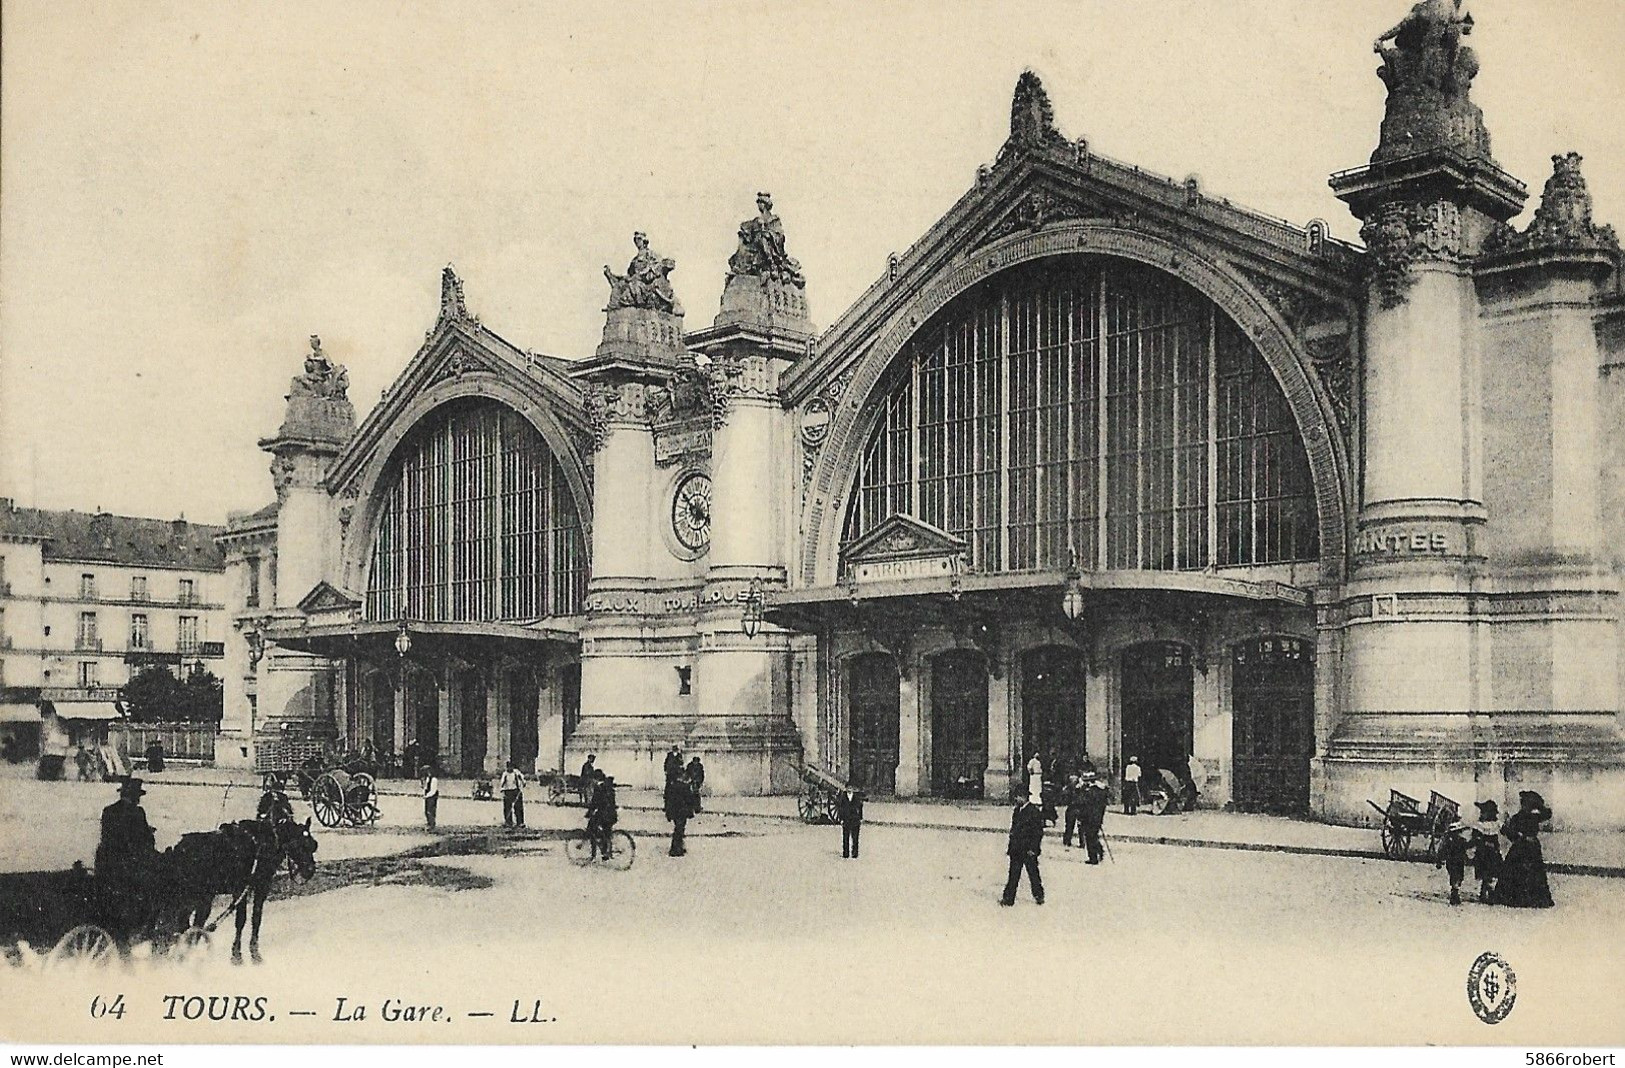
pixel 1491 988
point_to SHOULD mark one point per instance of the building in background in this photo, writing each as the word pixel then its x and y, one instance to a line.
pixel 1103 464
pixel 88 599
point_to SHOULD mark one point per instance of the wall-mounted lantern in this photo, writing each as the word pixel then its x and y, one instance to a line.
pixel 403 641
pixel 751 621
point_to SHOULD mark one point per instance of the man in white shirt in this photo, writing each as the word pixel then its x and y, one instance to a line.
pixel 1131 786
pixel 431 794
pixel 513 797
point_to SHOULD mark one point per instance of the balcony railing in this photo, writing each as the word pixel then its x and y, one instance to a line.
pixel 188 599
pixel 88 645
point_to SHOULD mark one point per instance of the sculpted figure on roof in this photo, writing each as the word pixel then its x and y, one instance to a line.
pixel 761 249
pixel 646 283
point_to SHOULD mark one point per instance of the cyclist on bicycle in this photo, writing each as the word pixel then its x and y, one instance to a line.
pixel 601 815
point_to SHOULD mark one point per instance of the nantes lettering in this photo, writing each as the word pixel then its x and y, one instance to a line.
pixel 1396 544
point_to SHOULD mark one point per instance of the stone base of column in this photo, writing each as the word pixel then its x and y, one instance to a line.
pixel 234 749
pixel 997 783
pixel 742 755
pixel 1575 761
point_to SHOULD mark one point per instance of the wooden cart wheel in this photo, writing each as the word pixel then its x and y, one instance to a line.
pixel 830 814
pixel 327 801
pixel 1396 842
pixel 85 944
pixel 808 806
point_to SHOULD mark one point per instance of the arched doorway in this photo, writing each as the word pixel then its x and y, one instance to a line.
pixel 958 723
pixel 873 712
pixel 523 695
pixel 380 688
pixel 1273 737
pixel 471 705
pixel 1158 704
pixel 1052 703
pixel 423 717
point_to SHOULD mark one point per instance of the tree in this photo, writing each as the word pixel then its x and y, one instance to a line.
pixel 152 696
pixel 203 697
pixel 156 696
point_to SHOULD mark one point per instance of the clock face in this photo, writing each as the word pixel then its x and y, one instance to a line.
pixel 691 512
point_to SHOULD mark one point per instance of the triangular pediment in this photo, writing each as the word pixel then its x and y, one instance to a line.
pixel 902 537
pixel 460 349
pixel 326 597
pixel 1042 180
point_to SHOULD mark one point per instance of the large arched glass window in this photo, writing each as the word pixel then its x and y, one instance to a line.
pixel 478 523
pixel 1094 407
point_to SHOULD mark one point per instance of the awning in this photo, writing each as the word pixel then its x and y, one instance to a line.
pixel 951 598
pixel 470 641
pixel 87 710
pixel 19 712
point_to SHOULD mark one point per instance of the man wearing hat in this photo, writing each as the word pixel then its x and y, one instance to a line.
pixel 1026 843
pixel 1093 801
pixel 1486 846
pixel 127 855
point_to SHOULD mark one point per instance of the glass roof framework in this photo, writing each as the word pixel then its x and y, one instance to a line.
pixel 478 524
pixel 1088 409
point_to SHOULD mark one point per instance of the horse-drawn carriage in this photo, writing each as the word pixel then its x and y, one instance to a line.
pixel 71 917
pixel 341 791
pixel 1405 820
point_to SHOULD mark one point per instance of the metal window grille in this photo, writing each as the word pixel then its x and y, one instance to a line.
pixel 1089 407
pixel 478 524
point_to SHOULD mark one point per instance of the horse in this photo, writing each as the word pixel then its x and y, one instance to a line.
pixel 240 859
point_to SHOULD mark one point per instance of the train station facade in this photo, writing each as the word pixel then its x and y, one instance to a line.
pixel 1103 464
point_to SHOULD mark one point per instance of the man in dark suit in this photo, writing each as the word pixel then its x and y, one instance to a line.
pixel 1092 802
pixel 674 763
pixel 1026 842
pixel 849 810
pixel 679 807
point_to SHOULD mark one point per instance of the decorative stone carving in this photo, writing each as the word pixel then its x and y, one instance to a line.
pixel 761 251
pixel 1332 357
pixel 765 288
pixel 1033 212
pixel 1390 241
pixel 451 295
pixel 607 405
pixel 816 416
pixel 322 377
pixel 1032 120
pixel 319 405
pixel 1563 220
pixel 646 283
pixel 1428 72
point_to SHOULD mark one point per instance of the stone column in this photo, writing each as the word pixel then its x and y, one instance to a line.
pixel 1002 730
pixel 910 760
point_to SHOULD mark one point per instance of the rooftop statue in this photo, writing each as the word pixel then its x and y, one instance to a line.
pixel 322 378
pixel 761 249
pixel 646 283
pixel 1428 71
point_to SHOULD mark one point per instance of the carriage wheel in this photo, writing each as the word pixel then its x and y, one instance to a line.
pixel 808 805
pixel 830 815
pixel 192 945
pixel 85 944
pixel 622 851
pixel 327 801
pixel 1396 842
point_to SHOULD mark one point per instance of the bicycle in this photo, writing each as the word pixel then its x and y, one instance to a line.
pixel 622 850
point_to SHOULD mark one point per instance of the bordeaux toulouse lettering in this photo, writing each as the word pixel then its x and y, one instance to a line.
pixel 1396 544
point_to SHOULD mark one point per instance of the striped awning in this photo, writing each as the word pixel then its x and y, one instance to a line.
pixel 86 710
pixel 19 712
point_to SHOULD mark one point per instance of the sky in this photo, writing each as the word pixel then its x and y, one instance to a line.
pixel 189 190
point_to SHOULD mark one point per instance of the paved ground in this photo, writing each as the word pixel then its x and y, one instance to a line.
pixel 763 933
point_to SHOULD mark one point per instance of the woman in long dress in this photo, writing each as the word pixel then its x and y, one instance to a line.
pixel 1522 882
